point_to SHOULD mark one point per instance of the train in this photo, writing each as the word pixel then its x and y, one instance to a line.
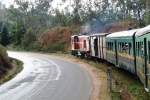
pixel 128 50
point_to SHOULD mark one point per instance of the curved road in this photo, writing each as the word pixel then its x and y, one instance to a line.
pixel 47 78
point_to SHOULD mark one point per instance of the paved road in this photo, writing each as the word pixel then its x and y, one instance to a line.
pixel 47 78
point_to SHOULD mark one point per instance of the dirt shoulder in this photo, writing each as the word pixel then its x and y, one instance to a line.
pixel 99 77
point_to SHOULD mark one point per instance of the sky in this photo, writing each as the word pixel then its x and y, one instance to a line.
pixel 55 3
pixel 7 2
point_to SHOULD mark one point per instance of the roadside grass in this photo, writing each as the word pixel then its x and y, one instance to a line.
pixel 126 86
pixel 17 67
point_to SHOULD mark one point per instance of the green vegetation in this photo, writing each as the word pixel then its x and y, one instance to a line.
pixel 129 85
pixel 22 25
pixel 8 67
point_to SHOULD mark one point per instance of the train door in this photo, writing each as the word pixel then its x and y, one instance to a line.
pixel 84 45
pixel 145 63
pixel 100 47
pixel 96 46
pixel 104 47
pixel 116 53
pixel 92 46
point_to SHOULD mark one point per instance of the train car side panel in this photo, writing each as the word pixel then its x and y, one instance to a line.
pixel 125 54
pixel 143 56
pixel 122 50
pixel 110 51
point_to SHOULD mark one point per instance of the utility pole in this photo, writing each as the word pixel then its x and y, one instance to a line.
pixel 109 78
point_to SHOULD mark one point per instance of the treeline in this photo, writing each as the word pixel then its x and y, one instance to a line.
pixel 23 25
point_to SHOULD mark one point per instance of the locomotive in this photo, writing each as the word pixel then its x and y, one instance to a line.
pixel 129 50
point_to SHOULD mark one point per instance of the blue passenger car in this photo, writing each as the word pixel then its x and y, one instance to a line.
pixel 143 56
pixel 120 49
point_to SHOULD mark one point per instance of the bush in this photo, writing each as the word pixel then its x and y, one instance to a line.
pixel 55 47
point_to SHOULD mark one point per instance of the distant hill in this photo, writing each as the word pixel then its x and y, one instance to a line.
pixel 119 26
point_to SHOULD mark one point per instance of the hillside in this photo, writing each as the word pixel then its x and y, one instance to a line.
pixel 56 39
pixel 119 26
pixel 5 64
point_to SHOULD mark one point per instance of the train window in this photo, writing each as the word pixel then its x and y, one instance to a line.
pixel 138 48
pixel 130 46
pixel 119 46
pixel 126 47
pixel 76 39
pixel 141 49
pixel 123 47
pixel 107 45
pixel 122 44
pixel 111 46
pixel 149 51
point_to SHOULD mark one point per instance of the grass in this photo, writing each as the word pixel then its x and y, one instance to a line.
pixel 17 67
pixel 124 84
pixel 131 84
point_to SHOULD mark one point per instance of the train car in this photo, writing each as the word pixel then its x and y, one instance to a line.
pixel 80 45
pixel 143 56
pixel 98 45
pixel 120 49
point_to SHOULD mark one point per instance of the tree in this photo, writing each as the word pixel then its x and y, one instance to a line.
pixel 4 36
pixel 147 13
pixel 28 37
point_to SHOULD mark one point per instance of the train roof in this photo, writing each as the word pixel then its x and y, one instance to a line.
pixel 127 33
pixel 83 36
pixel 74 35
pixel 99 34
pixel 79 35
pixel 143 31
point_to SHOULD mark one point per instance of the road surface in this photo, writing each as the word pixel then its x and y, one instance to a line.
pixel 47 78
